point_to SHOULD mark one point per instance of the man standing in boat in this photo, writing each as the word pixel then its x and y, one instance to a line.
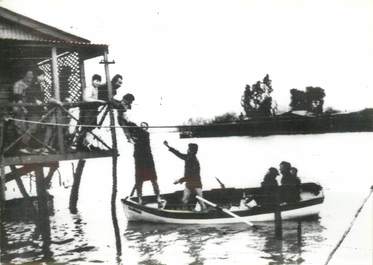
pixel 192 176
pixel 144 162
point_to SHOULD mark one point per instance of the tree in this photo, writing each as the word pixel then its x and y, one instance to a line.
pixel 298 99
pixel 256 100
pixel 226 118
pixel 311 100
pixel 315 99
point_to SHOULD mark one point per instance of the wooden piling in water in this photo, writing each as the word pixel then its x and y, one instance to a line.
pixel 43 222
pixel 114 158
pixel 278 218
pixel 2 171
pixel 74 195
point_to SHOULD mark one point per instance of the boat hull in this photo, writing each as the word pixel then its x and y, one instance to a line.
pixel 138 215
pixel 309 205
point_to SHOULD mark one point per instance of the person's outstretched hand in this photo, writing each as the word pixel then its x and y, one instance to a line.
pixel 166 144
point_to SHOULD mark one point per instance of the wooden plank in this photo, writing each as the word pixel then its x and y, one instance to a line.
pixel 34 159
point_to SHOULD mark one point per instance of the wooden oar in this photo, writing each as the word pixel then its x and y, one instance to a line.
pixel 225 210
pixel 221 183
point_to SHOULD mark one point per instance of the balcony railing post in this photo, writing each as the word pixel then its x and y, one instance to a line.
pixel 56 87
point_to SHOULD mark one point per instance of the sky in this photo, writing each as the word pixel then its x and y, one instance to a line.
pixel 193 58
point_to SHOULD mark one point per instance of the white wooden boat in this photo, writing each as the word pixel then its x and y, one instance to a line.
pixel 246 203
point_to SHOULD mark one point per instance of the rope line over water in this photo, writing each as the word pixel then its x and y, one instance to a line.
pixel 349 228
pixel 108 126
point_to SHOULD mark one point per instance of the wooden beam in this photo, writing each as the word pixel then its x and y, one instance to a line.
pixel 34 159
pixel 56 86
pixel 17 172
pixel 20 185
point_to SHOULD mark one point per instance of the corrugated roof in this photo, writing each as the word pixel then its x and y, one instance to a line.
pixel 18 27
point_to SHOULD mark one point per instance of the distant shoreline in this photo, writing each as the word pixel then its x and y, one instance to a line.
pixel 287 123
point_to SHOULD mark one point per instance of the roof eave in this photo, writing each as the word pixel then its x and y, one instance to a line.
pixel 41 27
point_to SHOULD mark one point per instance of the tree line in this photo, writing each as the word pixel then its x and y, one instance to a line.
pixel 257 100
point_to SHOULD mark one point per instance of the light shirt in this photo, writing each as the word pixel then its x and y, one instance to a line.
pixel 90 93
pixel 20 88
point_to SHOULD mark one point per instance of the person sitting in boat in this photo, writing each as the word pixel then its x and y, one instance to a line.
pixel 192 176
pixel 144 162
pixel 296 180
pixel 270 187
pixel 289 183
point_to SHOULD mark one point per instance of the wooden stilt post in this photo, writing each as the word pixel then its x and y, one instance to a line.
pixel 57 95
pixel 2 188
pixel 48 179
pixel 299 233
pixel 278 218
pixel 115 158
pixel 43 222
pixel 2 172
pixel 3 236
pixel 74 195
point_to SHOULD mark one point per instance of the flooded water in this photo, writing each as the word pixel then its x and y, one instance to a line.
pixel 339 162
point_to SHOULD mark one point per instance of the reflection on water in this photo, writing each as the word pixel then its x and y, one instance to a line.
pixel 25 243
pixel 195 242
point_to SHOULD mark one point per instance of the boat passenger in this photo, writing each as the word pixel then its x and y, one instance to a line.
pixel 270 187
pixel 144 162
pixel 192 177
pixel 296 180
pixel 289 184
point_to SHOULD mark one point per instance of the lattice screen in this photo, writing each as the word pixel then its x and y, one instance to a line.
pixel 69 77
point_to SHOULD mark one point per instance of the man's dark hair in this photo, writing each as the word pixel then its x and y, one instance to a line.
pixel 128 97
pixel 294 169
pixel 38 72
pixel 115 78
pixel 96 77
pixel 26 70
pixel 273 171
pixel 286 164
pixel 193 148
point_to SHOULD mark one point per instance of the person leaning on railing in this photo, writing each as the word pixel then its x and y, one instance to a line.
pixel 20 112
pixel 122 107
pixel 89 113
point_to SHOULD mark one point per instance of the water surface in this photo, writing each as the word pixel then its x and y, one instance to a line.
pixel 340 162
